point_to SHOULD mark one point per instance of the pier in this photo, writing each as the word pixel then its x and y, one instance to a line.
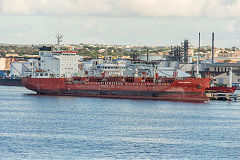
pixel 224 96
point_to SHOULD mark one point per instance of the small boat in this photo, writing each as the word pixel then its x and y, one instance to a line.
pixel 220 89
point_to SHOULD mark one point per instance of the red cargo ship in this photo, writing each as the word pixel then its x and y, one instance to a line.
pixel 106 79
pixel 160 88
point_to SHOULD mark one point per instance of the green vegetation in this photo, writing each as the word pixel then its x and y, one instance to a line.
pixel 203 49
pixel 20 50
pixel 95 50
pixel 92 51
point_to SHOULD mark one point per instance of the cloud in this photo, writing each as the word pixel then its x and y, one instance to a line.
pixel 137 8
pixel 231 25
pixel 54 7
pixel 233 10
pixel 159 8
pixel 14 7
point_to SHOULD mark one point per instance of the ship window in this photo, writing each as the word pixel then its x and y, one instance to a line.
pixel 41 74
pixel 238 80
pixel 46 74
pixel 36 74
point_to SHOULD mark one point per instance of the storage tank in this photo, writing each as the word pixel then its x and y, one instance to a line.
pixel 87 65
pixel 143 57
pixel 174 64
pixel 186 67
pixel 201 67
pixel 164 64
pixel 124 61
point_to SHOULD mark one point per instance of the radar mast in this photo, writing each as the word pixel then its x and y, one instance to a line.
pixel 59 40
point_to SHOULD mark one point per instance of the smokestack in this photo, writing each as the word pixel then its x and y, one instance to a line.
pixel 199 42
pixel 199 35
pixel 213 47
pixel 147 55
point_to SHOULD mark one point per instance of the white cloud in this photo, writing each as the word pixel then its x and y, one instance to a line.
pixel 94 21
pixel 160 8
pixel 233 10
pixel 15 7
pixel 54 7
pixel 146 8
pixel 230 25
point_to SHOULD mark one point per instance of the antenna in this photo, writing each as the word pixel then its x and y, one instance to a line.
pixel 59 40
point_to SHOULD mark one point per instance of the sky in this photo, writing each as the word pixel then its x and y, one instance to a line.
pixel 123 22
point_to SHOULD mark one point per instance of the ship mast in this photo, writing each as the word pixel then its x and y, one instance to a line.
pixel 59 40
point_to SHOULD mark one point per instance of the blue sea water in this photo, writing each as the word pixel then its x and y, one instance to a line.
pixel 56 127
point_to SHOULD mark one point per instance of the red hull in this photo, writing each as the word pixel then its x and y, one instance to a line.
pixel 188 89
pixel 221 89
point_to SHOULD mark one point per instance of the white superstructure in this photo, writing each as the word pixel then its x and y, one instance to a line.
pixel 103 67
pixel 111 69
pixel 58 63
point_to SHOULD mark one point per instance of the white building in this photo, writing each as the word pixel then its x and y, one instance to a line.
pixel 60 63
pixel 3 64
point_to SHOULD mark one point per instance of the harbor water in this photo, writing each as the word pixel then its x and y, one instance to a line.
pixel 57 127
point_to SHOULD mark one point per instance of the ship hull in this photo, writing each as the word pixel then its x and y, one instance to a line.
pixel 11 82
pixel 221 89
pixel 182 90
